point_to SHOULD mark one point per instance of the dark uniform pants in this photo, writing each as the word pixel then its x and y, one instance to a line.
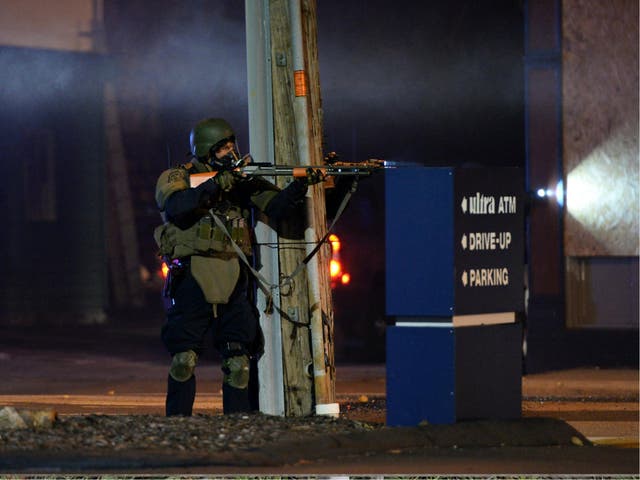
pixel 236 330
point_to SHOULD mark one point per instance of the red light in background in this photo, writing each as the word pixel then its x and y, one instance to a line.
pixel 337 274
pixel 335 243
pixel 335 269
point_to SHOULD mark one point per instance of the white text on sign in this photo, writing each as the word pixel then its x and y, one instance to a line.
pixel 486 241
pixel 481 204
pixel 486 277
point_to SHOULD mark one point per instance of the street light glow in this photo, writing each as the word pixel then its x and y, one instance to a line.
pixel 557 193
pixel 602 200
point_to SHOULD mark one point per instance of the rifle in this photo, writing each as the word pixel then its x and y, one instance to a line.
pixel 247 168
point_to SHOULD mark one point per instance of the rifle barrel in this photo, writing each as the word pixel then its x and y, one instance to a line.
pixel 266 170
pixel 298 171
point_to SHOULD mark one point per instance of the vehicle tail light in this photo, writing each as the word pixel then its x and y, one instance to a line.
pixel 335 269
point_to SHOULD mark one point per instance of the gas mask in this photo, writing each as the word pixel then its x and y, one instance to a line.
pixel 228 162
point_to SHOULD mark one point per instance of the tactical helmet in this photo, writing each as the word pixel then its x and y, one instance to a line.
pixel 207 134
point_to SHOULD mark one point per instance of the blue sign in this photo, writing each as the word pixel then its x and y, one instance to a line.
pixel 454 241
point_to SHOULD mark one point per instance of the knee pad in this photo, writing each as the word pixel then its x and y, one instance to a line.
pixel 183 365
pixel 236 371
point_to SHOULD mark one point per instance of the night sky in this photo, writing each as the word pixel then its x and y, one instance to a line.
pixel 434 82
pixel 429 82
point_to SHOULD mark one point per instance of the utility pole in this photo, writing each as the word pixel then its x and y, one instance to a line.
pixel 270 371
pixel 294 302
pixel 305 303
pixel 308 119
pixel 122 245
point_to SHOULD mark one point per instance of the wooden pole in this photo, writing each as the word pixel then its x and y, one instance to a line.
pixel 309 129
pixel 294 303
pixel 310 29
pixel 305 306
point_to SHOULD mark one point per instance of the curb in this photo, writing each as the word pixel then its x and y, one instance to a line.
pixel 530 432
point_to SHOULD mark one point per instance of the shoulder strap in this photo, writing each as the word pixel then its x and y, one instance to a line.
pixel 264 285
pixel 196 167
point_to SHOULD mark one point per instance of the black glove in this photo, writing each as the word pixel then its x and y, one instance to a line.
pixel 314 176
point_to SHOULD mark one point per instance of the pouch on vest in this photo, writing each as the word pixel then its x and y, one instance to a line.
pixel 241 234
pixel 209 237
pixel 216 277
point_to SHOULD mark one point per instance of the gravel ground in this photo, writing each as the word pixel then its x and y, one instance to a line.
pixel 204 433
pixel 259 443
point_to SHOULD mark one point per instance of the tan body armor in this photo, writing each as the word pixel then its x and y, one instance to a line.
pixel 214 262
pixel 205 237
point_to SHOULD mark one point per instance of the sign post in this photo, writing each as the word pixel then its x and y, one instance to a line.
pixel 455 282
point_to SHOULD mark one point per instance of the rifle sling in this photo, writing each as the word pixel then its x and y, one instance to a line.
pixel 307 259
pixel 263 283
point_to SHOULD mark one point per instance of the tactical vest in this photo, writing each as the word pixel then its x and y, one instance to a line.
pixel 214 262
pixel 205 238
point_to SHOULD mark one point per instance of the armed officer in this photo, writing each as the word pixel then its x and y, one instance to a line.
pixel 209 284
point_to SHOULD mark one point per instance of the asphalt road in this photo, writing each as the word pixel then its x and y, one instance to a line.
pixel 123 371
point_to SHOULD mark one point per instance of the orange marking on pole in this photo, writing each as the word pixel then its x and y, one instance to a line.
pixel 300 82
